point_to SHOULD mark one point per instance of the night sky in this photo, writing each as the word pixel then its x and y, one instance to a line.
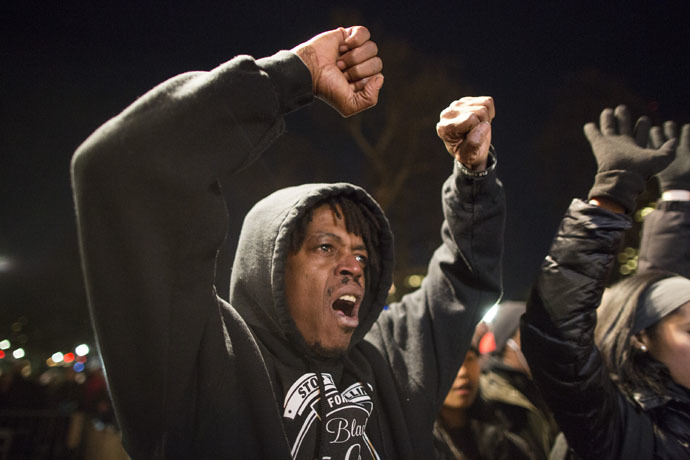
pixel 66 67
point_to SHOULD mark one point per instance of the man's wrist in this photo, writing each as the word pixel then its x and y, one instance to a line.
pixel 676 195
pixel 490 166
pixel 290 78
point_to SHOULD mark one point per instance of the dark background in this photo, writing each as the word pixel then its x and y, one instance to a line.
pixel 66 67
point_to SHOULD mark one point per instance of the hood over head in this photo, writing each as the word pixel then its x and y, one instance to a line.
pixel 257 287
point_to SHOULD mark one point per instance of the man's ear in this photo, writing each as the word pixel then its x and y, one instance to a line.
pixel 640 341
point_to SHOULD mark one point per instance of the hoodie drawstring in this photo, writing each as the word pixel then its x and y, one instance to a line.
pixel 375 408
pixel 321 406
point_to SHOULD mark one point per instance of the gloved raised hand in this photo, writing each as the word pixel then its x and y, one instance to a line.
pixel 677 175
pixel 624 164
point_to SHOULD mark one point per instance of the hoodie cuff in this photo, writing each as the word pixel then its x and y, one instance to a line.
pixel 471 183
pixel 490 166
pixel 290 78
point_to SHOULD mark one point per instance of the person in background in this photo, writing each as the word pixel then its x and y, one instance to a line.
pixel 506 383
pixel 665 243
pixel 616 377
pixel 19 390
pixel 467 428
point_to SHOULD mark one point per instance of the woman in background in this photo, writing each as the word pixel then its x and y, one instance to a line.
pixel 629 397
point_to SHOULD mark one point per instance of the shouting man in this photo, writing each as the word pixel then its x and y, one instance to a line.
pixel 302 362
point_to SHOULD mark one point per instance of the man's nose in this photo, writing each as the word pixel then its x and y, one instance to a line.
pixel 349 265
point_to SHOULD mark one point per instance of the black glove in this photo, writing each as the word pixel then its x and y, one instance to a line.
pixel 623 163
pixel 677 175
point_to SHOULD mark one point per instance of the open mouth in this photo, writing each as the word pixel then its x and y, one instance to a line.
pixel 346 304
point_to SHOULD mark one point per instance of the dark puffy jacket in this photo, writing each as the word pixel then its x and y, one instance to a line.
pixel 665 241
pixel 557 330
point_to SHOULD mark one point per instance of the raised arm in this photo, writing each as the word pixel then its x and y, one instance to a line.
pixel 151 215
pixel 558 328
pixel 666 231
pixel 425 336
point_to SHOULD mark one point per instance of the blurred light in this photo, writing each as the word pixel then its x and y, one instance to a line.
pixel 2 354
pixel 624 269
pixel 18 353
pixel 16 327
pixel 630 252
pixel 622 258
pixel 641 214
pixel 4 344
pixel 489 315
pixel 82 350
pixel 81 359
pixel 68 358
pixel 78 367
pixel 58 357
pixel 50 362
pixel 487 343
pixel 414 281
pixel 45 379
pixel 94 363
pixel 632 264
pixel 80 378
pixel 26 370
pixel 5 264
pixel 391 291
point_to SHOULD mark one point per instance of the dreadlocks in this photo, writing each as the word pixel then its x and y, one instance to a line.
pixel 359 220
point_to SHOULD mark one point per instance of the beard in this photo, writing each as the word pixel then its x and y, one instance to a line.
pixel 325 352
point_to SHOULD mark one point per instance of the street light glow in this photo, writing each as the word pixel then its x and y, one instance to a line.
pixel 5 264
pixel 57 357
pixel 82 350
pixel 4 344
pixel 18 353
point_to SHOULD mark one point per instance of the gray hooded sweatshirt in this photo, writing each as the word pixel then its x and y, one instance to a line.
pixel 194 376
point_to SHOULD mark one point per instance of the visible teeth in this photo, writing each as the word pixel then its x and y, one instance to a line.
pixel 348 298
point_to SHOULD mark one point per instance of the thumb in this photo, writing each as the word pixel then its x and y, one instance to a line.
pixel 374 84
pixel 668 147
pixel 592 133
pixel 475 147
pixel 663 156
pixel 369 95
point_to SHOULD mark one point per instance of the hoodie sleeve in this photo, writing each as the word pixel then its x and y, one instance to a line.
pixel 151 217
pixel 665 241
pixel 425 336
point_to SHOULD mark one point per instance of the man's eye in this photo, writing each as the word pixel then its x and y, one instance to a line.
pixel 361 259
pixel 325 247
